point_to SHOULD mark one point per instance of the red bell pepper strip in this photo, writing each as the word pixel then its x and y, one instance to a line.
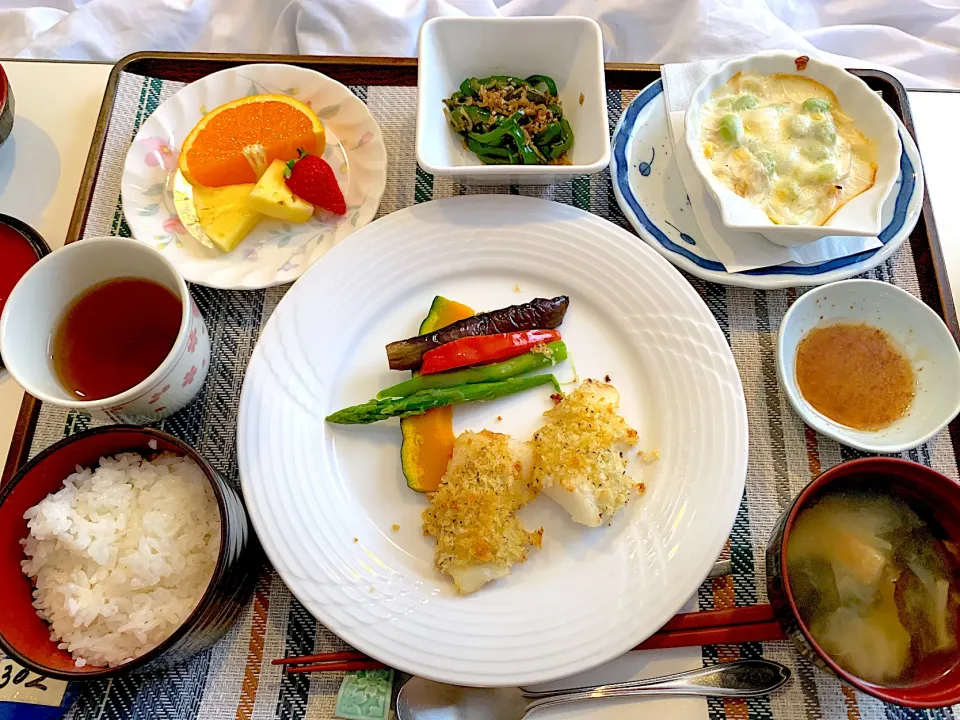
pixel 479 349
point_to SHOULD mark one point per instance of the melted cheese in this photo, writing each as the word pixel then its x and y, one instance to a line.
pixel 783 143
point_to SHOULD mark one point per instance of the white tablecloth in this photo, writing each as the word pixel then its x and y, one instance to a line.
pixel 918 39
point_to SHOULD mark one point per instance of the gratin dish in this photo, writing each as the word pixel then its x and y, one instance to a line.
pixel 860 215
pixel 569 49
pixel 25 637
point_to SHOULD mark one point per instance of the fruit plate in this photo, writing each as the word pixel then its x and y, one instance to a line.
pixel 274 252
pixel 330 505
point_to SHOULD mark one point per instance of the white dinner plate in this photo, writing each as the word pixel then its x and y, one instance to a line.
pixel 650 192
pixel 158 205
pixel 324 499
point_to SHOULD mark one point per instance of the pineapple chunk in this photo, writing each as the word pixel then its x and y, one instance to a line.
pixel 272 197
pixel 224 213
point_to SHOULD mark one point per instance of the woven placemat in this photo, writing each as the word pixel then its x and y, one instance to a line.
pixel 235 679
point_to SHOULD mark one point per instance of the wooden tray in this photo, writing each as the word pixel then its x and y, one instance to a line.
pixel 187 67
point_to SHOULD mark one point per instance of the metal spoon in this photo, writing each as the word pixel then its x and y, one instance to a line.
pixel 720 568
pixel 421 699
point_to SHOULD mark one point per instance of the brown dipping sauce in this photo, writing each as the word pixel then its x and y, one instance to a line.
pixel 855 375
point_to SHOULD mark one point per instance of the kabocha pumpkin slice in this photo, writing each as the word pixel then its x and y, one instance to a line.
pixel 428 439
pixel 236 142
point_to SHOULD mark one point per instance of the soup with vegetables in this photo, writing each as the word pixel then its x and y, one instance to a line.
pixel 783 143
pixel 875 586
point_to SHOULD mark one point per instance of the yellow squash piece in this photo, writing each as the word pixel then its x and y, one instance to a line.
pixel 224 213
pixel 273 198
pixel 428 439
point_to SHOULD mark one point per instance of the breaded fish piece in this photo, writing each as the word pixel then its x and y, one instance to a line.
pixel 472 512
pixel 577 454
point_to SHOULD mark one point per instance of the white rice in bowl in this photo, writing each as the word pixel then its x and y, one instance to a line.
pixel 122 555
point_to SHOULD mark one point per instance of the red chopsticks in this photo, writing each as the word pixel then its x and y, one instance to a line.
pixel 754 623
pixel 330 662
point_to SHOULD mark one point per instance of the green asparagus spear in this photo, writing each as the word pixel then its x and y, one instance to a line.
pixel 420 402
pixel 551 354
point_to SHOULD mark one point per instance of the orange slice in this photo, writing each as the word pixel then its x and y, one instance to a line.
pixel 236 142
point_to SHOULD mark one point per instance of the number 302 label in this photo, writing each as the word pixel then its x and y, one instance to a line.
pixel 17 684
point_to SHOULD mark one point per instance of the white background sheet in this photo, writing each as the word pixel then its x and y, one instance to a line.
pixel 918 39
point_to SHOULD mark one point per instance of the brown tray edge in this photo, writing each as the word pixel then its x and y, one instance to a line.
pixel 26 424
pixel 349 69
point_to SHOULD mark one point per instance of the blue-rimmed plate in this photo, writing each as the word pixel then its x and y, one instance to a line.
pixel 650 192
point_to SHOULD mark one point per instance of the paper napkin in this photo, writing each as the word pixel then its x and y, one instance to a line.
pixel 737 250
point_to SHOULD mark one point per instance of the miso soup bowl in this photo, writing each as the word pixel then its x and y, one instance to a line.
pixel 25 636
pixel 935 497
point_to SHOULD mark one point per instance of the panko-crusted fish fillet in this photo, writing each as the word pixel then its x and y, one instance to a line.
pixel 577 454
pixel 472 512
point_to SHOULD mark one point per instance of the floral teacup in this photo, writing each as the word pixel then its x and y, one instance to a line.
pixel 37 303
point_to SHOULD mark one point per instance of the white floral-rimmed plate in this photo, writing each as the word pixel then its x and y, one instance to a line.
pixel 650 192
pixel 274 252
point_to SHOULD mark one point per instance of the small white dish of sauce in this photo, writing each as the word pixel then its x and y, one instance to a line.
pixel 869 365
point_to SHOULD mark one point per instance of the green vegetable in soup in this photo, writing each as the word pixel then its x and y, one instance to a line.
pixel 745 102
pixel 780 107
pixel 812 578
pixel 731 129
pixel 825 132
pixel 818 105
pixel 925 600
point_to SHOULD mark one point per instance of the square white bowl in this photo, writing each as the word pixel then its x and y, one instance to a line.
pixel 568 49
pixel 862 214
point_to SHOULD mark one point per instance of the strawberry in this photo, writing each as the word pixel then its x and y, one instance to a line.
pixel 311 178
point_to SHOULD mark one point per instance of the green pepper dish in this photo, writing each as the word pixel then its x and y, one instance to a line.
pixel 507 120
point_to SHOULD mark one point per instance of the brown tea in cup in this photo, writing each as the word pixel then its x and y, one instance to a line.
pixel 114 335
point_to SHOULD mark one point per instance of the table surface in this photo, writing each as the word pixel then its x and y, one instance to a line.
pixel 56 111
